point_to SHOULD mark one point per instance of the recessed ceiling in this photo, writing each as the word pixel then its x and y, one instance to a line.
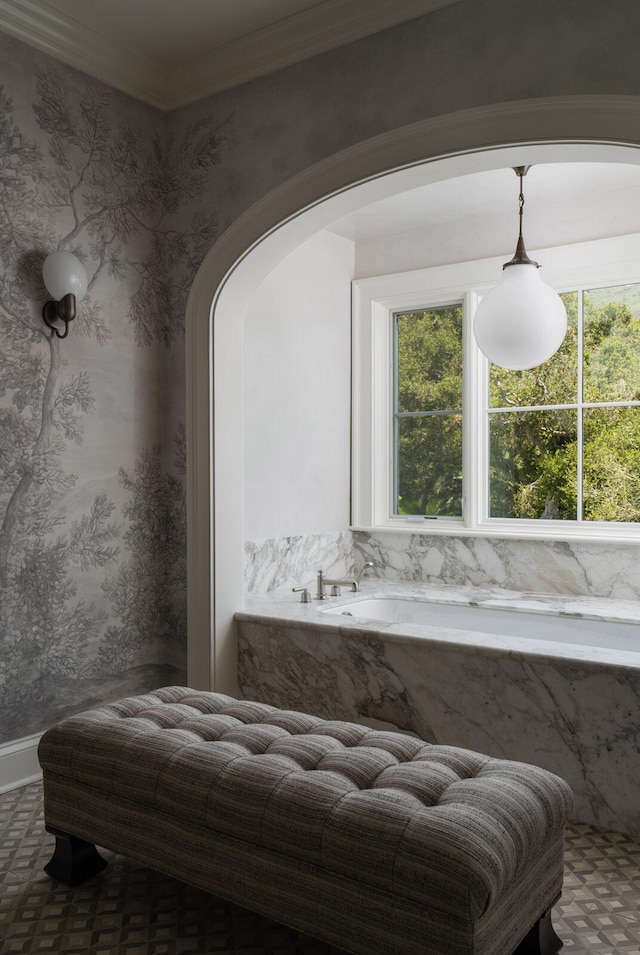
pixel 172 52
pixel 476 216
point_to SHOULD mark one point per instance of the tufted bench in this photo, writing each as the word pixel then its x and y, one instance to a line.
pixel 373 841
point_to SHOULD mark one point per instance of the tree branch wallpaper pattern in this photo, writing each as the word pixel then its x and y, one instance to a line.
pixel 92 546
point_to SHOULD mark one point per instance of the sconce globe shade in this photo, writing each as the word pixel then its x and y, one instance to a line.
pixel 521 322
pixel 63 273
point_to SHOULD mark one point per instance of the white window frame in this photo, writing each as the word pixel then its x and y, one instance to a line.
pixel 374 302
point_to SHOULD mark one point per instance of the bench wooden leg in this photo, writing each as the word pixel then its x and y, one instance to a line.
pixel 541 940
pixel 74 861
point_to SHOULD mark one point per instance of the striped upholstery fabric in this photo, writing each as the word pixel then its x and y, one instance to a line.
pixel 431 826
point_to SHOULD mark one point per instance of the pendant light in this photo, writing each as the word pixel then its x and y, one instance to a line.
pixel 521 322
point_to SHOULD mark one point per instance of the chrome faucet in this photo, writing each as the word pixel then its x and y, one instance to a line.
pixel 335 583
pixel 320 594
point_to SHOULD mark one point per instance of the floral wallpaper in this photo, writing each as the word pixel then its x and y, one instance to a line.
pixel 92 506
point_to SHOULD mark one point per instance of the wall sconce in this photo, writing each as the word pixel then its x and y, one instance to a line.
pixel 522 321
pixel 66 280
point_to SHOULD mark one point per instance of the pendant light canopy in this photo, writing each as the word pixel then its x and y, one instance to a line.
pixel 521 322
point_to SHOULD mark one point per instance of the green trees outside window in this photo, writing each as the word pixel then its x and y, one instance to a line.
pixel 428 412
pixel 563 438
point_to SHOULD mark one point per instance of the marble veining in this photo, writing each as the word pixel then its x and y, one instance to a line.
pixel 279 563
pixel 574 710
pixel 606 569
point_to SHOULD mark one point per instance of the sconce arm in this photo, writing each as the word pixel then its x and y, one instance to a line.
pixel 62 311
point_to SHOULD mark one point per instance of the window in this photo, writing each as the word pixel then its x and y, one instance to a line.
pixel 444 441
pixel 427 434
pixel 564 439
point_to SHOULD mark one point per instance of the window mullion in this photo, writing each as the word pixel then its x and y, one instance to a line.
pixel 579 422
pixel 395 463
pixel 474 401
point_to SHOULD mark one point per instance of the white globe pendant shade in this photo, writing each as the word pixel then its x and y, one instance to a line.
pixel 64 274
pixel 521 322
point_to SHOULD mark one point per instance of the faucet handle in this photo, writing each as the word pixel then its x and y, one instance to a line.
pixel 305 596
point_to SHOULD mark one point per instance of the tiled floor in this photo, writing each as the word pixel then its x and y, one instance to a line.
pixel 131 910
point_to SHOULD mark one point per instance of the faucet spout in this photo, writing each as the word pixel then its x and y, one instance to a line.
pixel 369 563
pixel 353 582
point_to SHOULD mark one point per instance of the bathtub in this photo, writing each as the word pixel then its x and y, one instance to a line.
pixel 539 625
pixel 549 679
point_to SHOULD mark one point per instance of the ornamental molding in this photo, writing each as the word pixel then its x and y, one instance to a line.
pixel 325 26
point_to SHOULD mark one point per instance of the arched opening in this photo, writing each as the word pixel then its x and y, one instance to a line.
pixel 573 129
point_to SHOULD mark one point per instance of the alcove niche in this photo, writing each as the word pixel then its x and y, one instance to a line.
pixel 597 129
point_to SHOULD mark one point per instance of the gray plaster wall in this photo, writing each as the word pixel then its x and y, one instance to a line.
pixel 473 53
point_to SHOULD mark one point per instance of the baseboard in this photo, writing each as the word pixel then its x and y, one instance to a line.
pixel 19 763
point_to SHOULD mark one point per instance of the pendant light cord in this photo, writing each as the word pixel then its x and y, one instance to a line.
pixel 521 257
pixel 521 199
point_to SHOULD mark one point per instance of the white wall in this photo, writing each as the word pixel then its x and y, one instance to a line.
pixel 297 393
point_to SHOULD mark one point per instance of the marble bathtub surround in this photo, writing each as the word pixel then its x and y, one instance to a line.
pixel 279 563
pixel 591 569
pixel 609 570
pixel 573 710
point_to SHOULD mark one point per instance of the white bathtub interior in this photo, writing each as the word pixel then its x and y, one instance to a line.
pixel 529 624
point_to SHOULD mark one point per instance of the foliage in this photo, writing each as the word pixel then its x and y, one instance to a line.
pixel 612 464
pixel 148 591
pixel 429 379
pixel 533 443
pixel 121 184
pixel 45 632
pixel 95 185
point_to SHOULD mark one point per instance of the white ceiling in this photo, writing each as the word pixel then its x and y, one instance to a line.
pixel 172 52
pixel 476 216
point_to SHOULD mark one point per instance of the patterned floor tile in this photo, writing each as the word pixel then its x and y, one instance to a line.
pixel 132 910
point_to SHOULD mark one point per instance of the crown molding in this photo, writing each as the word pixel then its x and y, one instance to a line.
pixel 73 43
pixel 321 28
pixel 324 27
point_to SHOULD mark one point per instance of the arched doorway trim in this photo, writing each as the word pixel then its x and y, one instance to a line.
pixel 579 128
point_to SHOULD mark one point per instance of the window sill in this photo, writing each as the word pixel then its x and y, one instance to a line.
pixel 438 528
